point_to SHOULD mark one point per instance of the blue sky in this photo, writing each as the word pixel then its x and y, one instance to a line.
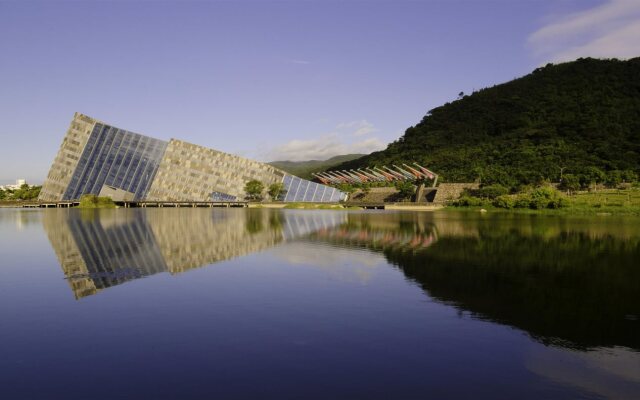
pixel 273 80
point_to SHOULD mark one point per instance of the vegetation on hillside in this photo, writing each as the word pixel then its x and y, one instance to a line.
pixel 304 169
pixel 580 118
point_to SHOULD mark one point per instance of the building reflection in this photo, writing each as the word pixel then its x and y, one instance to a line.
pixel 100 249
pixel 399 231
pixel 564 282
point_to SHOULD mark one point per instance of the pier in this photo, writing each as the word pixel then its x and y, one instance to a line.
pixel 141 204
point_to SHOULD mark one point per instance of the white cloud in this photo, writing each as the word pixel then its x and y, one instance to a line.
pixel 362 266
pixel 359 128
pixel 325 147
pixel 611 30
pixel 339 141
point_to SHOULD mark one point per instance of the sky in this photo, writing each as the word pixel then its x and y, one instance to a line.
pixel 274 80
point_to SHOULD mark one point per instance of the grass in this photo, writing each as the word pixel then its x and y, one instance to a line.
pixel 604 202
pixel 610 201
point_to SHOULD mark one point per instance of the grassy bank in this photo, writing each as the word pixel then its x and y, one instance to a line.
pixel 602 202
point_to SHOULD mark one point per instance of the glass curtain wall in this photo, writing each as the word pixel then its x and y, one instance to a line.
pixel 117 158
pixel 298 189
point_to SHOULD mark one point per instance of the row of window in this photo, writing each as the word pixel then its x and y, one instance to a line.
pixel 117 254
pixel 219 196
pixel 298 189
pixel 118 158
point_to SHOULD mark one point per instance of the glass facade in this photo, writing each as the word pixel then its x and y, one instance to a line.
pixel 117 158
pixel 298 189
pixel 218 196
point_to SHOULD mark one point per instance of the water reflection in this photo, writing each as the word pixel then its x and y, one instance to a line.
pixel 567 282
pixel 570 283
pixel 100 249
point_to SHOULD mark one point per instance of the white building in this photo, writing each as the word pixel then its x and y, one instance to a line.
pixel 19 182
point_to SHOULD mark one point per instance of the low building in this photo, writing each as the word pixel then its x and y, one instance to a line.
pixel 18 185
pixel 97 158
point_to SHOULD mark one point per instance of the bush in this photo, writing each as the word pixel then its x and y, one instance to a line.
pixel 522 201
pixel 504 201
pixel 405 189
pixel 492 191
pixel 541 198
pixel 347 188
pixel 570 183
pixel 93 201
pixel 613 178
pixel 558 202
pixel 466 201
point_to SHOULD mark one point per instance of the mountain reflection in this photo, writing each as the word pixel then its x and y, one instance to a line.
pixel 568 282
pixel 100 249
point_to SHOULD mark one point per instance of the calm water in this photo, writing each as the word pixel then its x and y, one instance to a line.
pixel 195 303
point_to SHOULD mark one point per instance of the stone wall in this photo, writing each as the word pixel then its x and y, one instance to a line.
pixel 190 172
pixel 66 160
pixel 375 195
pixel 452 191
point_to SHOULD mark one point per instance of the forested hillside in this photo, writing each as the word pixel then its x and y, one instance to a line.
pixel 304 169
pixel 581 118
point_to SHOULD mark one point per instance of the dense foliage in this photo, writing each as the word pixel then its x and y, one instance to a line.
pixel 580 118
pixel 276 191
pixel 25 192
pixel 254 189
pixel 93 201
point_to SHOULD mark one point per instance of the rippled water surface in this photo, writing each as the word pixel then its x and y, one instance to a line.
pixel 239 303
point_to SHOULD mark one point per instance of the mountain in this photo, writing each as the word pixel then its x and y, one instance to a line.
pixel 304 169
pixel 581 117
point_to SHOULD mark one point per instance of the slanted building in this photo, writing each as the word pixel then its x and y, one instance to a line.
pixel 97 158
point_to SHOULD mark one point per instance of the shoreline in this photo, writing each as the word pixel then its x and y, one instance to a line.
pixel 633 211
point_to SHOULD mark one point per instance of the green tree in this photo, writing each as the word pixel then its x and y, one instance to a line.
pixel 3 194
pixel 629 176
pixel 593 175
pixel 570 183
pixel 614 178
pixel 405 189
pixel 254 189
pixel 26 192
pixel 492 191
pixel 276 190
pixel 347 188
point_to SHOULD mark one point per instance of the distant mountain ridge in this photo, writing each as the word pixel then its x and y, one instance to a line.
pixel 304 169
pixel 580 118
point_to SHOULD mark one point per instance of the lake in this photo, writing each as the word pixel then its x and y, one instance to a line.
pixel 301 304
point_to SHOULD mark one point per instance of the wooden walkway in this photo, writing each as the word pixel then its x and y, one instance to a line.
pixel 142 204
pixel 367 206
